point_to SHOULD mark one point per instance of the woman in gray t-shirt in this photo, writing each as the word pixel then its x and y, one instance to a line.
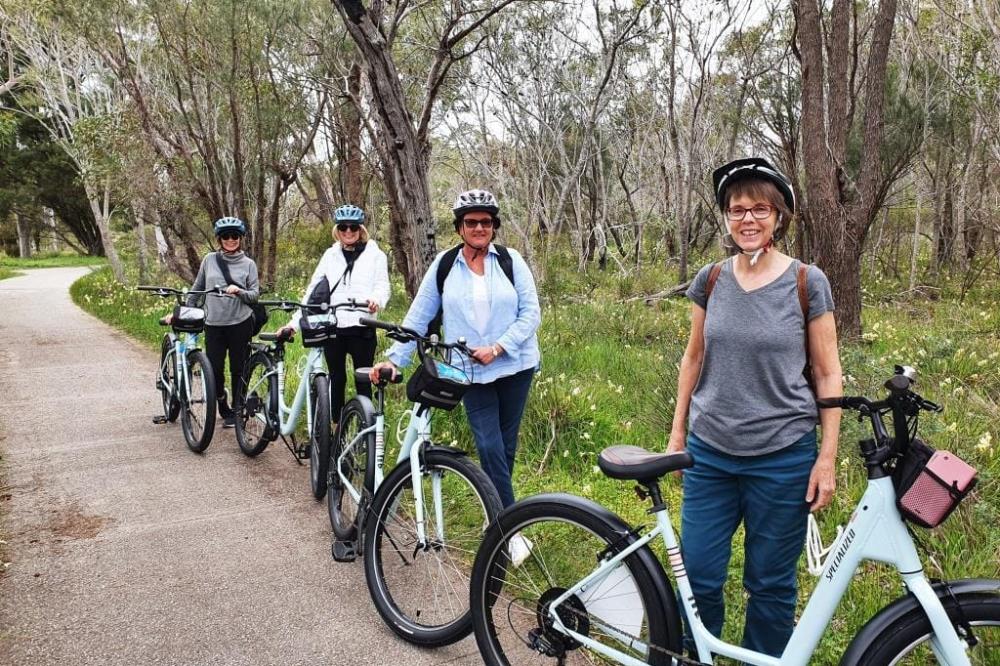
pixel 747 413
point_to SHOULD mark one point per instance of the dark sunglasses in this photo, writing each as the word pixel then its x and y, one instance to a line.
pixel 472 224
pixel 348 227
pixel 230 235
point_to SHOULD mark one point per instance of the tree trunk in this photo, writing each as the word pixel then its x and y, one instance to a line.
pixel 404 158
pixel 23 235
pixel 100 205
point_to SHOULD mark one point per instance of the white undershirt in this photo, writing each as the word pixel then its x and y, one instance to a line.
pixel 480 302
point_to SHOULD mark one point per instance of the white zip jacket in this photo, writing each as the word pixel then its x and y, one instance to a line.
pixel 367 281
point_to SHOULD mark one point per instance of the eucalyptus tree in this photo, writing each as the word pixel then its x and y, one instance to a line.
pixel 79 102
pixel 436 36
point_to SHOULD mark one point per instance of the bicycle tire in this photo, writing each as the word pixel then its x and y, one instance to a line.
pixel 907 640
pixel 610 604
pixel 319 438
pixel 389 581
pixel 199 428
pixel 256 420
pixel 171 406
pixel 358 466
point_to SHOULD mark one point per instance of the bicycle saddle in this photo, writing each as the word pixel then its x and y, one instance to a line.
pixel 632 463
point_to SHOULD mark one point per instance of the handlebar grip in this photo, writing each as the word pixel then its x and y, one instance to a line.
pixel 375 323
pixel 148 287
pixel 387 375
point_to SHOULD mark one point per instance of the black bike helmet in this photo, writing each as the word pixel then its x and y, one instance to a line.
pixel 751 167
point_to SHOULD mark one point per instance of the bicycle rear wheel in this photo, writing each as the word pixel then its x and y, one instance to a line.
pixel 357 465
pixel 511 601
pixel 907 641
pixel 166 380
pixel 256 422
pixel 198 409
pixel 319 438
pixel 422 591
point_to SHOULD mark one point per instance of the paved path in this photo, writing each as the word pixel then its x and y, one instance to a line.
pixel 126 548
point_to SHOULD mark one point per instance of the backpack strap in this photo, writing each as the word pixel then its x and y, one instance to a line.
pixel 444 267
pixel 713 277
pixel 802 282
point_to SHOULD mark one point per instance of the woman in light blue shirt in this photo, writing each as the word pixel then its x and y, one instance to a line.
pixel 498 315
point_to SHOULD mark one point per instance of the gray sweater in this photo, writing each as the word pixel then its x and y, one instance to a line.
pixel 751 397
pixel 226 309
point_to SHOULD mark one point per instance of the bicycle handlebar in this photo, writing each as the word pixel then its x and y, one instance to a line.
pixel 289 306
pixel 403 334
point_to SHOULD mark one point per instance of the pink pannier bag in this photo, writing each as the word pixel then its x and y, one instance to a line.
pixel 936 489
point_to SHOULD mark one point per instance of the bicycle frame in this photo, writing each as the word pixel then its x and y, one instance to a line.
pixel 288 416
pixel 418 431
pixel 875 532
pixel 182 344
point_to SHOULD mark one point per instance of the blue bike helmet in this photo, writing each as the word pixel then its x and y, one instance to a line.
pixel 224 224
pixel 349 213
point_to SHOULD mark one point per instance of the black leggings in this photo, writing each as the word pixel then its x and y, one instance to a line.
pixel 362 351
pixel 236 340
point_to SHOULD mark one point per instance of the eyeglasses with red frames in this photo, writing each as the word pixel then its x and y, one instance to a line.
pixel 758 212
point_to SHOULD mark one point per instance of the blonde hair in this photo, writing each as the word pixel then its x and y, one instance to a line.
pixel 362 233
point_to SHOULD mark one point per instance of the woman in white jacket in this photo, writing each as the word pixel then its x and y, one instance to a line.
pixel 354 267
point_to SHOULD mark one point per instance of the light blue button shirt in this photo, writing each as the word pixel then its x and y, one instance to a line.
pixel 514 315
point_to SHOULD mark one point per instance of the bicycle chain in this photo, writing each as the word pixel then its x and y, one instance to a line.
pixel 677 657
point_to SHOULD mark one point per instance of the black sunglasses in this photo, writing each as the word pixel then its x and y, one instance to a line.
pixel 348 227
pixel 230 235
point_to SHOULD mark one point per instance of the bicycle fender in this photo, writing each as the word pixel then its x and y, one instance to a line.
pixel 613 521
pixel 906 604
pixel 367 408
pixel 440 448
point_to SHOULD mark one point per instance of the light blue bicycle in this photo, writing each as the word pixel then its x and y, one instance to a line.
pixel 184 378
pixel 263 415
pixel 592 591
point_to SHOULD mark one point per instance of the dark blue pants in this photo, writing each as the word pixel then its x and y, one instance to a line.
pixel 494 411
pixel 767 494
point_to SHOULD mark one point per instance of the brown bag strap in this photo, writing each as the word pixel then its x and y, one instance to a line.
pixel 713 277
pixel 803 285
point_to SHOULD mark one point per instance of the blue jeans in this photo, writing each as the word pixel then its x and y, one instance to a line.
pixel 767 494
pixel 494 411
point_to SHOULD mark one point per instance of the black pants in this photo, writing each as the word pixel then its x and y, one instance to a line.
pixel 234 339
pixel 362 351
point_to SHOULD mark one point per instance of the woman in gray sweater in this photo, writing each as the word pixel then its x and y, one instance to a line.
pixel 228 317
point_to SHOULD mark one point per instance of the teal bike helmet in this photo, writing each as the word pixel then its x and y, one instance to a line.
pixel 224 224
pixel 349 213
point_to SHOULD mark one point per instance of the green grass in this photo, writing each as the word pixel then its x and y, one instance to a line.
pixel 51 261
pixel 7 273
pixel 609 374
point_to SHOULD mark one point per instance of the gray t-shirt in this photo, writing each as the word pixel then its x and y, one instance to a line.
pixel 226 309
pixel 751 397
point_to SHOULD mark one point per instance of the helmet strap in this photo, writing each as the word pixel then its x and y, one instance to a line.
pixel 756 254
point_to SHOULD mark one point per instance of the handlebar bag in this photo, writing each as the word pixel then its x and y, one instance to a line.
pixel 930 484
pixel 437 384
pixel 188 319
pixel 317 329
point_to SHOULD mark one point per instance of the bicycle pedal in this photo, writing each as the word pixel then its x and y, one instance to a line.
pixel 159 419
pixel 344 551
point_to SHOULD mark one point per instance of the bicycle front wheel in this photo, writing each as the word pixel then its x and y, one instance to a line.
pixel 536 553
pixel 907 641
pixel 356 456
pixel 422 590
pixel 166 380
pixel 198 408
pixel 254 430
pixel 319 438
